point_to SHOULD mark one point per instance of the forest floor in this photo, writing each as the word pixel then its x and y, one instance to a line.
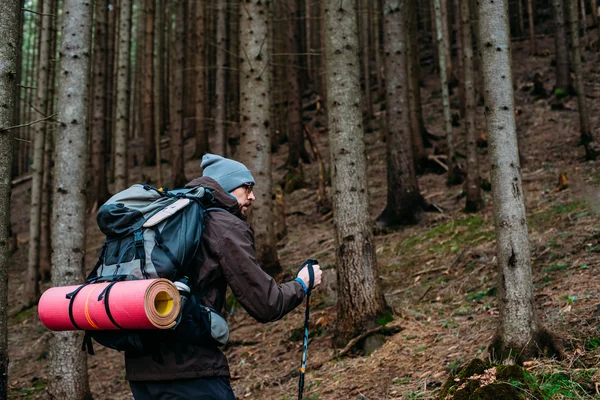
pixel 439 276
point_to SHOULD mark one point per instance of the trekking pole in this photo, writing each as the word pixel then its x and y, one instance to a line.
pixel 311 274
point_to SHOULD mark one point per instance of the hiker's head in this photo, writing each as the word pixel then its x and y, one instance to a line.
pixel 233 176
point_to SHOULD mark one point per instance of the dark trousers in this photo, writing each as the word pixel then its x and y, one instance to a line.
pixel 192 389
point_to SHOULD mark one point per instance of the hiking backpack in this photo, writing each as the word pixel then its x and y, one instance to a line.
pixel 153 233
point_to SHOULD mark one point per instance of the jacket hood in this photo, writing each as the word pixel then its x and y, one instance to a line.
pixel 223 199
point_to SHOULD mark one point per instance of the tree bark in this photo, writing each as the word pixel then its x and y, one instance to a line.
pixel 519 331
pixel 360 300
pixel 147 89
pixel 158 101
pixel 474 201
pixel 594 9
pixel 220 136
pixel 255 143
pixel 67 373
pixel 447 40
pixel 563 76
pixel 521 20
pixel 32 288
pixel 296 149
pixel 176 126
pixel 99 186
pixel 366 54
pixel 532 43
pixel 417 126
pixel 122 111
pixel 585 130
pixel 10 30
pixel 453 175
pixel 201 137
pixel 404 201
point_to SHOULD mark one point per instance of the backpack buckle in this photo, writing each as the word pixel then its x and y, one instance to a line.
pixel 138 237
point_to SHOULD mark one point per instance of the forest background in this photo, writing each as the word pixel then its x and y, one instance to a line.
pixel 437 157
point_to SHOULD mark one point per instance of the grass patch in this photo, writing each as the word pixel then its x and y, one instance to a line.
pixel 449 237
pixel 546 217
pixel 569 386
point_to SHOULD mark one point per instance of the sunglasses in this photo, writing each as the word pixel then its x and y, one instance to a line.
pixel 249 188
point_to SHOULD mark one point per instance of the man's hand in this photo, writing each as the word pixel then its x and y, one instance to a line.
pixel 303 274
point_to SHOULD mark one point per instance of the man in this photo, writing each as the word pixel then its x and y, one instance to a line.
pixel 226 257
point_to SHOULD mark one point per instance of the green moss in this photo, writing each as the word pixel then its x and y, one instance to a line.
pixel 547 217
pixel 498 391
pixel 510 373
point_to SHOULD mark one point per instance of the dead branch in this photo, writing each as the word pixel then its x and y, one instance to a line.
pixel 437 160
pixel 28 124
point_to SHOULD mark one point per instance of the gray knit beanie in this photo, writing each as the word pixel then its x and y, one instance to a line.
pixel 230 174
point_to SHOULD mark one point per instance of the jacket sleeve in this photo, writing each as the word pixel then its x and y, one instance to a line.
pixel 256 291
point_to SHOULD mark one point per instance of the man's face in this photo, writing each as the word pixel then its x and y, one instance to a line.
pixel 245 197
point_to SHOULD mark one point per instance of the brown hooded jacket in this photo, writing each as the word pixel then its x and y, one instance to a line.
pixel 226 257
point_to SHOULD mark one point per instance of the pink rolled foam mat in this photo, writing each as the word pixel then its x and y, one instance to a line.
pixel 136 304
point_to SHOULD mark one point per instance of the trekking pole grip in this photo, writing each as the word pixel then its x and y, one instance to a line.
pixel 311 273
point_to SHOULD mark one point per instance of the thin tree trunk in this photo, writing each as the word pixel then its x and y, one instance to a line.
pixel 201 145
pixel 110 82
pixel 10 29
pixel 233 76
pixel 296 149
pixel 122 110
pixel 453 175
pixel 474 201
pixel 532 43
pixel 255 143
pixel 458 72
pixel 67 372
pixel 519 331
pixel 594 9
pixel 563 76
pixel 584 22
pixel 377 48
pixel 521 19
pixel 176 127
pixel 99 186
pixel 417 126
pixel 404 201
pixel 46 233
pixel 366 55
pixel 447 40
pixel 585 131
pixel 32 288
pixel 220 139
pixel 360 300
pixel 158 101
pixel 147 89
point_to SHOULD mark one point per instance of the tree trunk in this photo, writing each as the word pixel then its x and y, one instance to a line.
pixel 366 54
pixel 563 76
pixel 201 136
pixel 255 143
pixel 453 174
pixel 377 47
pixel 594 9
pixel 220 137
pixel 295 131
pixel 404 201
pixel 585 130
pixel 417 126
pixel 474 201
pixel 67 372
pixel 10 30
pixel 110 82
pixel 519 333
pixel 32 288
pixel 158 101
pixel 521 20
pixel 532 43
pixel 176 119
pixel 360 300
pixel 147 81
pixel 233 77
pixel 447 40
pixel 99 186
pixel 122 110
